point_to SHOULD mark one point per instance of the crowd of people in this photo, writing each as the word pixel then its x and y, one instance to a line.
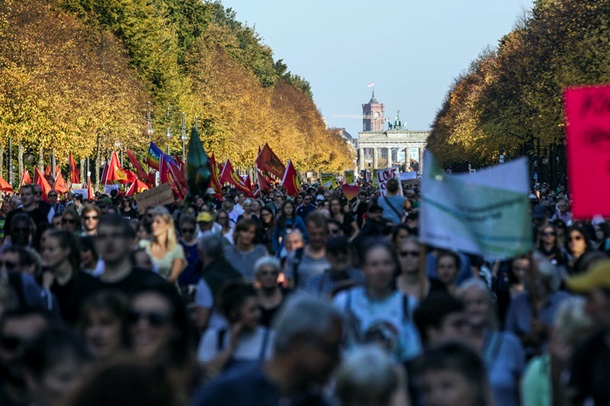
pixel 312 299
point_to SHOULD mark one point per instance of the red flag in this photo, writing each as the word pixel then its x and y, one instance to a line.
pixel 167 173
pixel 263 185
pixel 90 194
pixel 114 172
pixel 131 177
pixel 4 186
pixel 47 170
pixel 214 181
pixel 25 179
pixel 151 180
pixel 136 187
pixel 290 181
pixel 60 184
pixel 230 176
pixel 74 173
pixel 41 181
pixel 267 161
pixel 248 182
pixel 137 166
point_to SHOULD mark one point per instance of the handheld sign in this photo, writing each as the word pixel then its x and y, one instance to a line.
pixel 157 196
pixel 587 114
pixel 486 213
pixel 383 175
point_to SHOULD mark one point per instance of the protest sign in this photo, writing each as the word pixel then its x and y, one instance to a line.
pixel 83 192
pixel 485 214
pixel 328 180
pixel 375 179
pixel 587 114
pixel 349 178
pixel 383 175
pixel 408 176
pixel 110 188
pixel 157 196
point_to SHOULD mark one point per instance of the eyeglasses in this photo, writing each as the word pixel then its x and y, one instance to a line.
pixel 8 265
pixel 155 319
pixel 11 343
pixel 409 253
pixel 71 221
pixel 187 230
pixel 110 236
pixel 52 195
pixel 266 272
pixel 91 217
pixel 547 233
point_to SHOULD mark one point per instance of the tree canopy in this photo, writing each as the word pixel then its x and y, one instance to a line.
pixel 510 99
pixel 75 72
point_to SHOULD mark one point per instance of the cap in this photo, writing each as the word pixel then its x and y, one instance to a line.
pixel 320 198
pixel 204 217
pixel 533 197
pixel 539 211
pixel 598 276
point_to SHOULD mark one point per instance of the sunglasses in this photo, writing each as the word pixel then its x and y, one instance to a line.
pixel 52 195
pixel 71 221
pixel 187 230
pixel 547 233
pixel 409 253
pixel 8 265
pixel 267 272
pixel 11 343
pixel 91 217
pixel 155 319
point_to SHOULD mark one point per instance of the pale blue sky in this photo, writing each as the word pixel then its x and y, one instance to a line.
pixel 412 50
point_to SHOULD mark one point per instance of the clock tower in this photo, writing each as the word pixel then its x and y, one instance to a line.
pixel 372 115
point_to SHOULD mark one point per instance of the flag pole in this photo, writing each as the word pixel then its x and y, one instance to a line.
pixel 422 271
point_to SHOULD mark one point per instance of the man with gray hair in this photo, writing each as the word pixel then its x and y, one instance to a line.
pixel 306 347
pixel 216 272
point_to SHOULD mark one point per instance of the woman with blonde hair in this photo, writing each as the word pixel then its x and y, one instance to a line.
pixel 167 255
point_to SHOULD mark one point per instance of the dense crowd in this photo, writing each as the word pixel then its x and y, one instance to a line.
pixel 307 300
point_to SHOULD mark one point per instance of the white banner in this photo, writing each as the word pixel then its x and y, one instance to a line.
pixel 486 213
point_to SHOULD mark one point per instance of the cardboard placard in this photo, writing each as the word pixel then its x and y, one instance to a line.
pixel 383 175
pixel 157 196
pixel 587 115
pixel 349 178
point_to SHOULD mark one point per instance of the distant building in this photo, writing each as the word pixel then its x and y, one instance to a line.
pixel 379 148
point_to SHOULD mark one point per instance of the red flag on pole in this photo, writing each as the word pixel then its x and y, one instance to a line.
pixel 4 186
pixel 136 187
pixel 26 179
pixel 60 184
pixel 74 172
pixel 47 170
pixel 267 161
pixel 263 185
pixel 290 181
pixel 41 181
pixel 90 194
pixel 168 174
pixel 115 174
pixel 214 181
pixel 137 166
pixel 230 176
